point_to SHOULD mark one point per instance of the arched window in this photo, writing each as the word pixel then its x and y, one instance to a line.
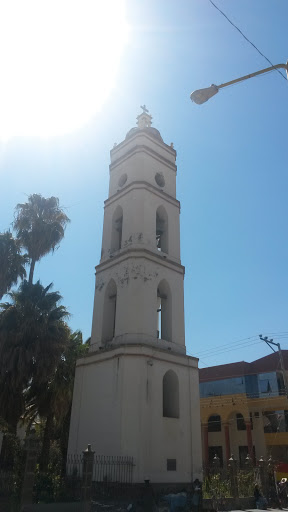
pixel 241 425
pixel 170 395
pixel 161 229
pixel 109 314
pixel 164 311
pixel 214 423
pixel 117 221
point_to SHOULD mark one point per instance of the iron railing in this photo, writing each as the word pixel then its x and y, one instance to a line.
pixel 110 475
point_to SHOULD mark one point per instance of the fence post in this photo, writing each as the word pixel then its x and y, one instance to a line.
pixel 272 484
pixel 233 476
pixel 216 464
pixel 248 463
pixel 31 446
pixel 88 464
pixel 262 475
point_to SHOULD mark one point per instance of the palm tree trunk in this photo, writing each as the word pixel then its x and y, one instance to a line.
pixel 44 455
pixel 31 272
pixel 64 441
pixel 7 454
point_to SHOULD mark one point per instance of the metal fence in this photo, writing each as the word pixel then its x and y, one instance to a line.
pixel 110 475
pixel 7 481
pixel 232 481
pixel 106 468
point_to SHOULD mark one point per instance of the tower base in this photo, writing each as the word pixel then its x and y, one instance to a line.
pixel 140 401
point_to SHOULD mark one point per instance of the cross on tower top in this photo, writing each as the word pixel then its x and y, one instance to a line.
pixel 144 119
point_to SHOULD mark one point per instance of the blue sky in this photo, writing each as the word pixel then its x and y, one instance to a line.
pixel 232 169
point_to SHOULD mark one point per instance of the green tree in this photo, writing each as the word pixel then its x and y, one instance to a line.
pixel 39 224
pixel 52 400
pixel 12 262
pixel 33 335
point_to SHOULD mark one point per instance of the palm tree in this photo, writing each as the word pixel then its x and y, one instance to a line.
pixel 40 224
pixel 12 262
pixel 52 400
pixel 33 335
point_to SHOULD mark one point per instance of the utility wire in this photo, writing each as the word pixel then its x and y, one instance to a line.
pixel 215 352
pixel 223 348
pixel 248 40
pixel 241 341
pixel 234 345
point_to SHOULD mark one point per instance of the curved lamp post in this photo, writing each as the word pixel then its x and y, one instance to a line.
pixel 202 95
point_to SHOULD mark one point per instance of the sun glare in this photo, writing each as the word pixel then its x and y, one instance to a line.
pixel 58 61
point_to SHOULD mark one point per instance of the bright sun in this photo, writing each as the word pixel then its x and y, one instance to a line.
pixel 58 62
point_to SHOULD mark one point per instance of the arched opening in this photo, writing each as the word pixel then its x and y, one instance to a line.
pixel 241 425
pixel 117 222
pixel 170 395
pixel 162 229
pixel 109 314
pixel 164 311
pixel 214 423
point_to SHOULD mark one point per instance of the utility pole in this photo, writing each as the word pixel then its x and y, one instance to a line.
pixel 269 343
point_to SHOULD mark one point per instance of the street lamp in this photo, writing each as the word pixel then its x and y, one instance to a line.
pixel 202 95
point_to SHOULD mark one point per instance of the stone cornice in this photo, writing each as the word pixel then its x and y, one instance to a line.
pixel 140 185
pixel 139 252
pixel 142 148
pixel 142 133
pixel 138 350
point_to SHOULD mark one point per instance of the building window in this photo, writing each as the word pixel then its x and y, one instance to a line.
pixel 162 229
pixel 243 452
pixel 117 223
pixel 214 423
pixel 280 383
pixel 218 451
pixel 240 422
pixel 171 464
pixel 109 313
pixel 265 386
pixel 275 421
pixel 170 395
pixel 164 311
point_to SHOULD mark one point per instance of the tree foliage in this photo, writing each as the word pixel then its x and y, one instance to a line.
pixel 39 224
pixel 38 352
pixel 51 400
pixel 12 262
pixel 33 335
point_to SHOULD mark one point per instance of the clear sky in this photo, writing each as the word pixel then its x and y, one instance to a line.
pixel 73 76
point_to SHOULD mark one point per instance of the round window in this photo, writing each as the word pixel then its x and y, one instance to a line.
pixel 159 178
pixel 122 180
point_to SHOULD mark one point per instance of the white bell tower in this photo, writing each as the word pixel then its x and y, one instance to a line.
pixel 137 391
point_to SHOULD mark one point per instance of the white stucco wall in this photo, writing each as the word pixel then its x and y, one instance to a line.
pixel 137 279
pixel 141 157
pixel 139 204
pixel 118 395
pixel 119 410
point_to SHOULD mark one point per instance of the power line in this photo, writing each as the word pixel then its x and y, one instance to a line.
pixel 220 347
pixel 246 38
pixel 219 350
pixel 237 345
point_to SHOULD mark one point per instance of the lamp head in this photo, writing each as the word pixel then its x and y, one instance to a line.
pixel 202 95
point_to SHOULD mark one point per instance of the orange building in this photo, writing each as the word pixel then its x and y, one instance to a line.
pixel 244 410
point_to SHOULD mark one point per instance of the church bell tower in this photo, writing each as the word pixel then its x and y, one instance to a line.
pixel 136 393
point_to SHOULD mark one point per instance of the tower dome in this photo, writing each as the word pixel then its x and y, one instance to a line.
pixel 144 121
